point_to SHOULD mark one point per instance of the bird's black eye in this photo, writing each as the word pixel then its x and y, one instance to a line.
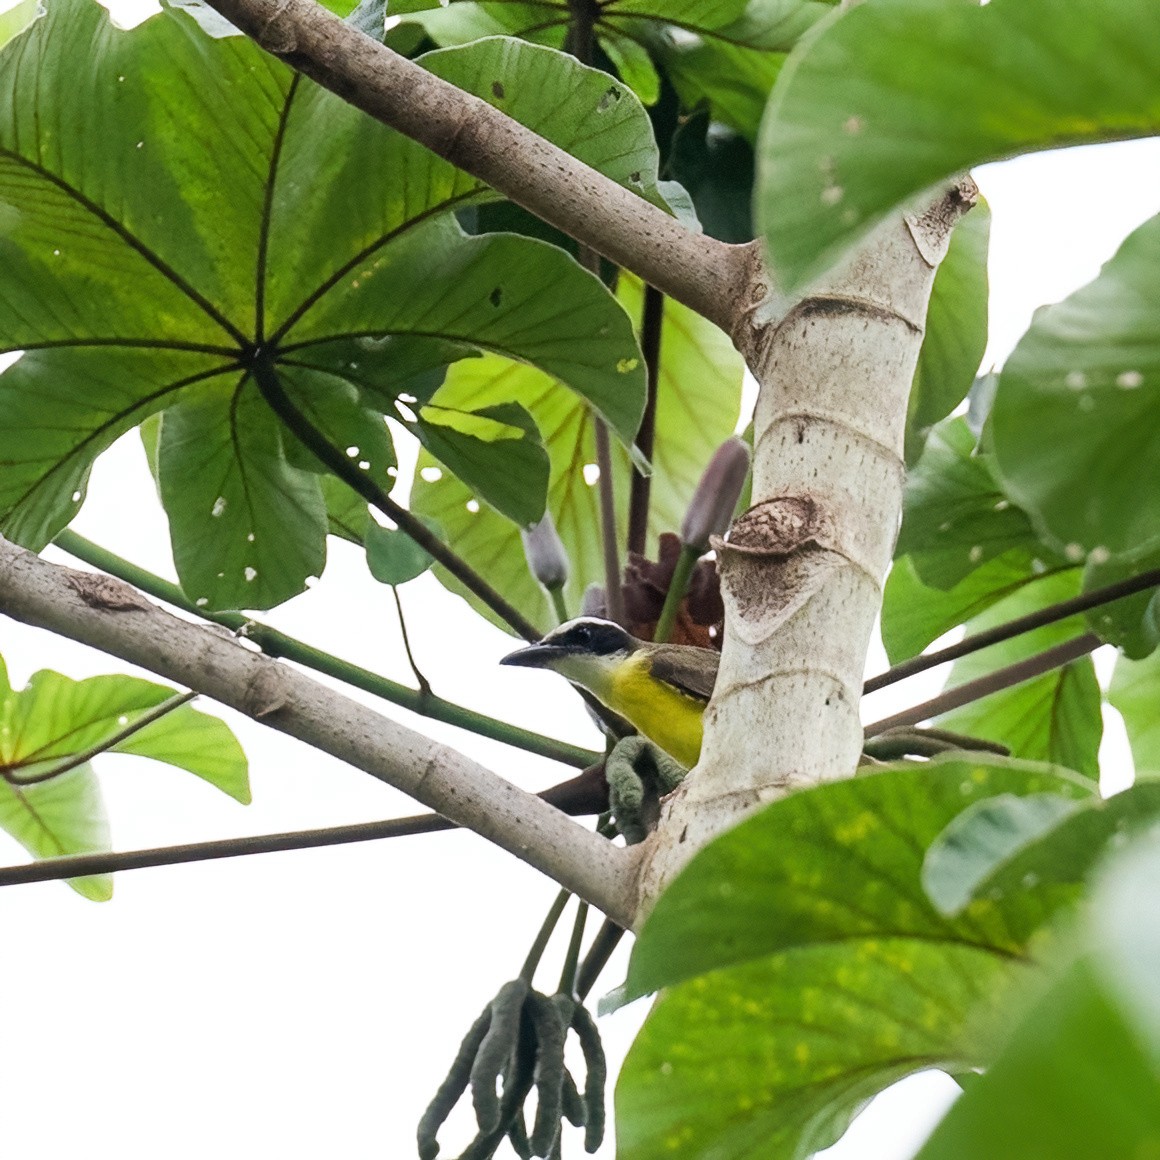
pixel 582 633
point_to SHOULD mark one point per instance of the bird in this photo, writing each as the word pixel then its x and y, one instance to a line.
pixel 661 689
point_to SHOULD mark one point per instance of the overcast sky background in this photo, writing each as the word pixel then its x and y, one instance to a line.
pixel 307 1004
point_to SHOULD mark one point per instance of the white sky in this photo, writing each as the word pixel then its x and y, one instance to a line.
pixel 306 1004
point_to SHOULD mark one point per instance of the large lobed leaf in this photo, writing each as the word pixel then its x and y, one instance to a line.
pixel 697 404
pixel 174 202
pixel 894 96
pixel 808 967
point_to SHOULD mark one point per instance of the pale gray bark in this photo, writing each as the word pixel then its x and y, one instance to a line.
pixel 111 616
pixel 802 570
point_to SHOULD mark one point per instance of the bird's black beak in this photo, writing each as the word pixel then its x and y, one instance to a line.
pixel 534 656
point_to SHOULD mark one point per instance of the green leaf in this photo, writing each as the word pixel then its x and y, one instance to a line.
pixel 495 451
pixel 199 743
pixel 1054 717
pixel 14 20
pixel 698 400
pixel 337 409
pixel 130 273
pixel 392 556
pixel 807 968
pixel 1135 693
pixel 956 330
pixel 955 516
pixel 63 816
pixel 984 834
pixel 1131 623
pixel 633 65
pixel 1080 1074
pixel 347 515
pixel 248 528
pixel 1075 424
pixel 64 407
pixel 1058 863
pixel 895 96
pixel 914 614
pixel 55 719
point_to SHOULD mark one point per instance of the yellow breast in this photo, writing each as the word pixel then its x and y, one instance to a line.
pixel 665 715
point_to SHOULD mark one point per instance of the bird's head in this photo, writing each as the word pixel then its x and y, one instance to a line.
pixel 586 651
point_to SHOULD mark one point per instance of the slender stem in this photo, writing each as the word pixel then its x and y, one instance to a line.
pixel 613 594
pixel 606 941
pixel 109 862
pixel 540 944
pixel 77 759
pixel 561 609
pixel 1004 678
pixel 897 743
pixel 572 957
pixel 277 644
pixel 420 680
pixel 270 386
pixel 1001 632
pixel 585 794
pixel 678 586
pixel 651 326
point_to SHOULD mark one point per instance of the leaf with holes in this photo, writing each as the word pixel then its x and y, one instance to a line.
pixel 1075 424
pixel 698 400
pixel 197 204
pixel 806 968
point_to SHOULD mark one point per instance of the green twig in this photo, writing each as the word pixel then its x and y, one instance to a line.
pixel 572 958
pixel 561 609
pixel 606 941
pixel 78 759
pixel 420 680
pixel 678 586
pixel 277 644
pixel 540 944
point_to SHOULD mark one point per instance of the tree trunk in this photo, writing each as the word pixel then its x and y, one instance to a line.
pixel 802 570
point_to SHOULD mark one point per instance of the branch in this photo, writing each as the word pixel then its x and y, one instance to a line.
pixel 706 275
pixel 1109 594
pixel 277 644
pixel 585 794
pixel 1016 674
pixel 108 615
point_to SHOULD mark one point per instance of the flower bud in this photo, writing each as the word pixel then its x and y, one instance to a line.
pixel 711 507
pixel 545 553
pixel 592 603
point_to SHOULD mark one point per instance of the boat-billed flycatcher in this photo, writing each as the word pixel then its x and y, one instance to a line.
pixel 662 689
